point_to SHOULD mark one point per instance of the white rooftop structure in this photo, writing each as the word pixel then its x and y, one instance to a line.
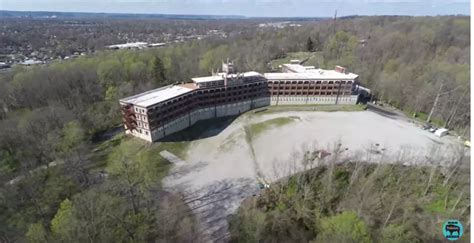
pixel 208 79
pixel 297 71
pixel 297 68
pixel 323 75
pixel 220 76
pixel 30 62
pixel 246 74
pixel 358 87
pixel 129 45
pixel 155 96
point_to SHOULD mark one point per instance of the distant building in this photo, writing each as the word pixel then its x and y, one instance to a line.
pixel 279 25
pixel 31 62
pixel 158 113
pixel 134 45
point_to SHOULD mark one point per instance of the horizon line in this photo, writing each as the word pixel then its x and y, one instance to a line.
pixel 229 15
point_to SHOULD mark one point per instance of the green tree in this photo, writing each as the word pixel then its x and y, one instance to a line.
pixel 345 227
pixel 391 66
pixel 309 44
pixel 318 45
pixel 93 216
pixel 111 93
pixel 73 135
pixel 340 50
pixel 397 234
pixel 36 233
pixel 249 225
pixel 111 72
pixel 159 71
pixel 138 72
pixel 63 223
pixel 212 59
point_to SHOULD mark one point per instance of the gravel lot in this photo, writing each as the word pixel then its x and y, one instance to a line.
pixel 221 170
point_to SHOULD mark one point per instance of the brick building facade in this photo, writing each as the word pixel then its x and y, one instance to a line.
pixel 157 113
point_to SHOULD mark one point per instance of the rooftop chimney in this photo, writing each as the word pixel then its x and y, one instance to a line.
pixel 228 67
pixel 340 69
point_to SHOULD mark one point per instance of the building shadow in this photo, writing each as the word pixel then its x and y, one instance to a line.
pixel 202 129
pixel 382 111
pixel 107 134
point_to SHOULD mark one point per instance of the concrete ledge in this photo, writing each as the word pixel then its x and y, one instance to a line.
pixel 172 158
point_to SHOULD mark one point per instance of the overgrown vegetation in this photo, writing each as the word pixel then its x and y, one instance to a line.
pixel 357 202
pixel 327 108
pixel 122 202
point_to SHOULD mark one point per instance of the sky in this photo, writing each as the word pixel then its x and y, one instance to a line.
pixel 249 8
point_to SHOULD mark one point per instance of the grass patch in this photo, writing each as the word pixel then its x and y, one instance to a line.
pixel 145 155
pixel 148 153
pixel 229 143
pixel 421 116
pixel 143 158
pixel 258 128
pixel 177 148
pixel 327 108
pixel 314 59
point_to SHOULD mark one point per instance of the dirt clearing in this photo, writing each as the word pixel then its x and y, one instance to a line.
pixel 221 170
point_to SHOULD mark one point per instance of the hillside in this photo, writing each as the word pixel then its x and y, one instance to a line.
pixel 61 111
pixel 357 202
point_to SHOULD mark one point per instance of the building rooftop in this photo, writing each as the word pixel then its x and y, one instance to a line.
pixel 297 71
pixel 189 85
pixel 220 76
pixel 325 74
pixel 155 96
pixel 298 68
pixel 246 74
pixel 208 79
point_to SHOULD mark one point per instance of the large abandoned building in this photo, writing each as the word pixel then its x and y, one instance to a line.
pixel 157 113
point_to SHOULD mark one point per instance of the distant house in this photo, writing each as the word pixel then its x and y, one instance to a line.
pixel 135 45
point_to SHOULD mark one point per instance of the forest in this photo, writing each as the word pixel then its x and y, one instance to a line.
pixel 63 171
pixel 357 201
